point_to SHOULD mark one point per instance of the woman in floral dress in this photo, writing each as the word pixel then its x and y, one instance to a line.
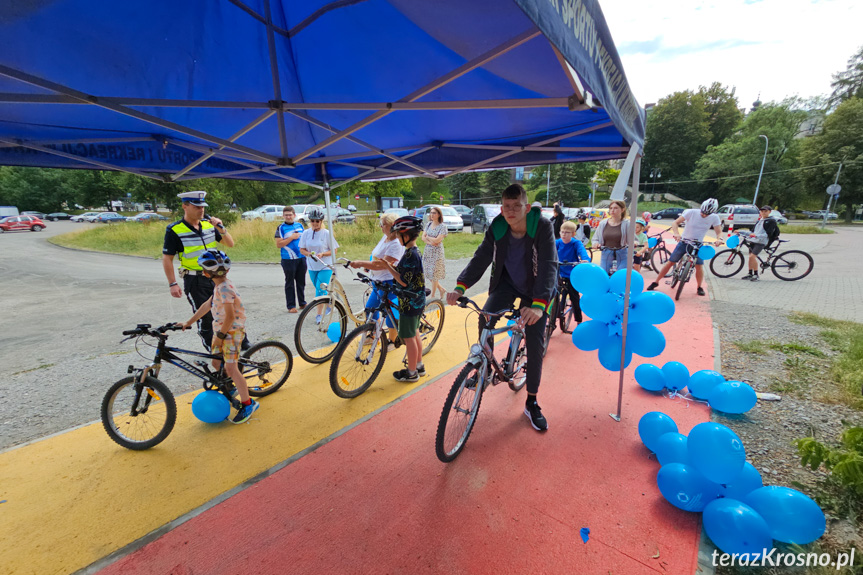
pixel 434 265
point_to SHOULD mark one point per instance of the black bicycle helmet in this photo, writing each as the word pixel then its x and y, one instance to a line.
pixel 316 214
pixel 407 223
pixel 215 262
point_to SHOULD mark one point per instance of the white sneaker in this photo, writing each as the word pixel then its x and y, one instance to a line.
pixel 318 319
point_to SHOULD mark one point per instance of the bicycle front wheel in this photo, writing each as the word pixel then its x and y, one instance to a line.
pixel 138 415
pixel 355 366
pixel 659 258
pixel 726 263
pixel 266 366
pixel 431 324
pixel 517 366
pixel 549 324
pixel 792 265
pixel 312 335
pixel 684 277
pixel 459 413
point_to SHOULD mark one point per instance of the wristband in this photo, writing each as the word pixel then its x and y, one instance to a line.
pixel 172 285
pixel 221 335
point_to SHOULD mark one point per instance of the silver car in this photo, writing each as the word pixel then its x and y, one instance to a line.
pixel 451 218
pixel 739 215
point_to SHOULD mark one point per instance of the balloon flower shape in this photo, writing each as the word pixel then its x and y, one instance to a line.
pixel 732 397
pixel 602 299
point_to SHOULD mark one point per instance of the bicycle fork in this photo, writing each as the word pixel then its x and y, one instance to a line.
pixel 376 340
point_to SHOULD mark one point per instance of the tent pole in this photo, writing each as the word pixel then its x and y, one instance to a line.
pixel 630 241
pixel 329 214
pixel 277 84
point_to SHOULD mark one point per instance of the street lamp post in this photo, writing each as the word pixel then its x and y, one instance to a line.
pixel 758 185
pixel 654 173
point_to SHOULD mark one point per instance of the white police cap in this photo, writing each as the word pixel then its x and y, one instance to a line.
pixel 194 198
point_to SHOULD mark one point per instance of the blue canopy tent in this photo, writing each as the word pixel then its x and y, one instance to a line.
pixel 320 92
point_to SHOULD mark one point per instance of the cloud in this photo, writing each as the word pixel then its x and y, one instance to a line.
pixel 643 47
pixel 715 46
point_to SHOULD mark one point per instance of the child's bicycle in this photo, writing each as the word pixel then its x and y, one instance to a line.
pixel 658 255
pixel 139 411
pixel 481 370
pixel 360 356
pixel 790 265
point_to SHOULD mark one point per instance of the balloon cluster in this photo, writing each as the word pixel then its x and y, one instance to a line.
pixel 602 300
pixel 708 472
pixel 706 385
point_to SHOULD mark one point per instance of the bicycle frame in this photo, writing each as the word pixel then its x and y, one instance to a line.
pixel 770 251
pixel 482 354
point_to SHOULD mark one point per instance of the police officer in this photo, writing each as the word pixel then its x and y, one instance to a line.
pixel 188 239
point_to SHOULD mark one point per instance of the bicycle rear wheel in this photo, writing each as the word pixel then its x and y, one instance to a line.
pixel 792 265
pixel 312 337
pixel 517 366
pixel 726 263
pixel 138 415
pixel 684 277
pixel 459 413
pixel 355 367
pixel 431 324
pixel 272 364
pixel 659 258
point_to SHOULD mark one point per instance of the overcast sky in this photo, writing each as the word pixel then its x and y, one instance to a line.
pixel 776 47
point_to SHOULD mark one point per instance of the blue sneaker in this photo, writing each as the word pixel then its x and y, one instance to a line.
pixel 246 412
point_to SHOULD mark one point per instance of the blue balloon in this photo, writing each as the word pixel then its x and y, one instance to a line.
pixel 651 242
pixel 590 335
pixel 735 527
pixel 732 397
pixel 676 375
pixel 513 322
pixel 654 425
pixel 609 354
pixel 644 339
pixel 671 448
pixel 748 481
pixel 717 452
pixel 651 307
pixel 617 282
pixel 334 331
pixel 706 252
pixel 603 307
pixel 732 241
pixel 211 406
pixel 650 377
pixel 702 382
pixel 791 515
pixel 684 487
pixel 589 279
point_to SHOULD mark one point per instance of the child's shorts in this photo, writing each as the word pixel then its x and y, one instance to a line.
pixel 636 260
pixel 408 325
pixel 230 348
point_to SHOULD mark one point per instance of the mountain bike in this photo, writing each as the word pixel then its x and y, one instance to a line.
pixel 481 370
pixel 790 265
pixel 139 411
pixel 560 312
pixel 659 254
pixel 360 356
pixel 312 335
pixel 682 270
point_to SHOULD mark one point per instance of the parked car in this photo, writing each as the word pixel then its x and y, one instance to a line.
pixel 548 213
pixel 6 211
pixel 109 218
pixel 451 219
pixel 741 215
pixel 85 217
pixel 465 212
pixel 345 217
pixel 419 212
pixel 667 214
pixel 21 223
pixel 302 211
pixel 483 214
pixel 352 208
pixel 58 216
pixel 39 215
pixel 571 213
pixel 268 213
pixel 817 215
pixel 147 217
pixel 399 212
pixel 777 215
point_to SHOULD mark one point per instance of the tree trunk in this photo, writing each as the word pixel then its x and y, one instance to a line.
pixel 849 211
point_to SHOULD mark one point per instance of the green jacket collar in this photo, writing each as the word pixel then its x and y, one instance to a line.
pixel 499 226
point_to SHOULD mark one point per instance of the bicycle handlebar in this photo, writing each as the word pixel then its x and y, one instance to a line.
pixel 144 329
pixel 465 302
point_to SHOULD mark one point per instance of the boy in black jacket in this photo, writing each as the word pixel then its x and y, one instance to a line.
pixel 519 245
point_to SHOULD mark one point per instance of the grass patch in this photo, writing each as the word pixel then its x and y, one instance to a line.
pixel 754 346
pixel 254 240
pixel 43 366
pixel 789 348
pixel 805 229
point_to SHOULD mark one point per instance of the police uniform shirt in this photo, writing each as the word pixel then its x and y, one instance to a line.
pixel 174 245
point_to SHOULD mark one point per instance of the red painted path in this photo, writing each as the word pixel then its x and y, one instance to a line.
pixel 377 500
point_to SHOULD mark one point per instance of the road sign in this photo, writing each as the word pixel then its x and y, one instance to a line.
pixel 357 197
pixel 834 189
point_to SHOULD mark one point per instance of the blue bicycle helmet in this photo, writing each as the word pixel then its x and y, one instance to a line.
pixel 215 262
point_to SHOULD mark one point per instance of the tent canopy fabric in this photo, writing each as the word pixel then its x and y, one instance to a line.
pixel 310 91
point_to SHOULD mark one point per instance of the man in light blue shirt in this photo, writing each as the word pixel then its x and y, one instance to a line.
pixel 293 262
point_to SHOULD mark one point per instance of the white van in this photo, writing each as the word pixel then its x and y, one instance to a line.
pixel 6 211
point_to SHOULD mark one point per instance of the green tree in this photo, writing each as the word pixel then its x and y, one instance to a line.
pixel 678 133
pixel 848 83
pixel 465 185
pixel 570 183
pixel 34 189
pixel 427 190
pixel 742 155
pixel 605 178
pixel 496 181
pixel 723 113
pixel 840 140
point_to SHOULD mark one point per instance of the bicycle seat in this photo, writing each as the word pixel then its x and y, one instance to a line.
pixel 782 241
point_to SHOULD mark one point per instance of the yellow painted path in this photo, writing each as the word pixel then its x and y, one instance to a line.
pixel 74 498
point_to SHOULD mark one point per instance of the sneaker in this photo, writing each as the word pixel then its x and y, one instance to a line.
pixel 471 381
pixel 391 346
pixel 652 286
pixel 747 277
pixel 406 376
pixel 246 412
pixel 754 278
pixel 421 370
pixel 537 419
pixel 318 319
pixel 700 291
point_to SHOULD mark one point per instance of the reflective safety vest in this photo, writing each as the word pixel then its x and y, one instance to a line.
pixel 193 244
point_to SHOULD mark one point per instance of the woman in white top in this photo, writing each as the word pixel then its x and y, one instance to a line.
pixel 611 234
pixel 389 250
pixel 434 262
pixel 315 243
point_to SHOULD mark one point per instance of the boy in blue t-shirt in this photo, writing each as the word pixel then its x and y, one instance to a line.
pixel 570 250
pixel 293 263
